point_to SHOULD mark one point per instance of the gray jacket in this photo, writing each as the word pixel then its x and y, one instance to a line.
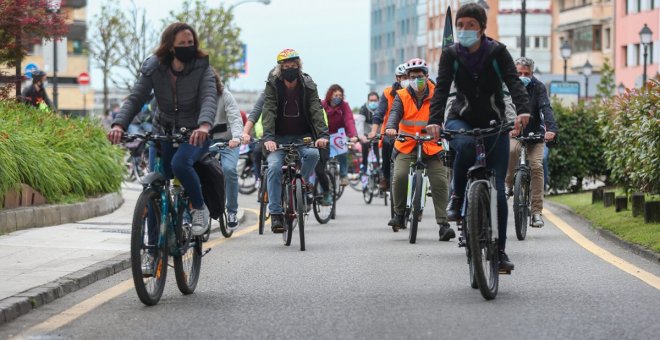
pixel 191 102
pixel 228 113
pixel 255 114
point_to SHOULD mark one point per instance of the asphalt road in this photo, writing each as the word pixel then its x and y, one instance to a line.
pixel 359 280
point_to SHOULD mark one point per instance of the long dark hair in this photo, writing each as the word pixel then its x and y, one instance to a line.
pixel 164 50
pixel 218 82
pixel 333 88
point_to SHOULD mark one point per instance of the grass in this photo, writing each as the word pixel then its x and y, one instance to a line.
pixel 623 224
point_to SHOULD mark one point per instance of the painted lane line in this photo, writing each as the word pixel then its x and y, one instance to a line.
pixel 616 261
pixel 67 316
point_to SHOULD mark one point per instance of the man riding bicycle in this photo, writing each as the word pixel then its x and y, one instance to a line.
pixel 292 111
pixel 409 114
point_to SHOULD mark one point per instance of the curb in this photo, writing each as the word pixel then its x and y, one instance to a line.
pixel 22 303
pixel 54 214
pixel 608 235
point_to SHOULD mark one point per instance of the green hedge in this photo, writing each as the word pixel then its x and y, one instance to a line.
pixel 63 158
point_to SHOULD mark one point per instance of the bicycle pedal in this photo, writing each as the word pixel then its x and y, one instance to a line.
pixel 206 252
pixel 505 272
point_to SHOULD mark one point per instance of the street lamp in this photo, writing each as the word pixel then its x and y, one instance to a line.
pixel 265 2
pixel 54 7
pixel 565 54
pixel 586 70
pixel 645 36
pixel 523 33
pixel 621 89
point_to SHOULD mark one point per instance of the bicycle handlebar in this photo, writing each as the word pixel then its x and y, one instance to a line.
pixel 182 137
pixel 532 137
pixel 478 132
pixel 402 136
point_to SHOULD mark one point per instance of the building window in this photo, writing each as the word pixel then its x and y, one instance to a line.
pixel 77 47
pixel 544 43
pixel 583 39
pixel 518 42
pixel 597 39
pixel 537 42
pixel 644 5
pixel 632 6
pixel 608 34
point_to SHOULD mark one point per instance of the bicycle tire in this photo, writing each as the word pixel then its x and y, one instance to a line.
pixel 367 191
pixel 483 247
pixel 226 232
pixel 207 234
pixel 246 180
pixel 287 208
pixel 264 214
pixel 521 204
pixel 148 199
pixel 322 213
pixel 300 211
pixel 187 265
pixel 416 205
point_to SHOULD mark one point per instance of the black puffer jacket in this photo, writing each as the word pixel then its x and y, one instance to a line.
pixel 193 101
pixel 478 101
pixel 543 118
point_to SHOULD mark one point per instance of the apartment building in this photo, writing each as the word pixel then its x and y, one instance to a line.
pixel 538 30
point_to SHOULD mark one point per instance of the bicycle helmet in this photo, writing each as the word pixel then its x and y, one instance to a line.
pixel 417 64
pixel 38 74
pixel 287 54
pixel 400 70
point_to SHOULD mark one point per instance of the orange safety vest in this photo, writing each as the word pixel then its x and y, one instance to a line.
pixel 390 100
pixel 414 120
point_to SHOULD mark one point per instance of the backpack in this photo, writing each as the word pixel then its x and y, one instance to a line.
pixel 212 180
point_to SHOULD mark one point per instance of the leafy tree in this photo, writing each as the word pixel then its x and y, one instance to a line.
pixel 606 86
pixel 107 32
pixel 216 32
pixel 24 22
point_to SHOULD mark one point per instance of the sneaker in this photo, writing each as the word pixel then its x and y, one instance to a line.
pixel 200 221
pixel 396 222
pixel 446 232
pixel 327 198
pixel 454 208
pixel 509 193
pixel 147 265
pixel 277 223
pixel 344 181
pixel 537 221
pixel 232 221
pixel 505 264
pixel 384 184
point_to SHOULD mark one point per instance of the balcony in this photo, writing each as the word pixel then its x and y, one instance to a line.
pixel 576 17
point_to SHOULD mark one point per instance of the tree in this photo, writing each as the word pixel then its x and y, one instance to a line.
pixel 216 33
pixel 105 41
pixel 606 86
pixel 24 22
pixel 137 43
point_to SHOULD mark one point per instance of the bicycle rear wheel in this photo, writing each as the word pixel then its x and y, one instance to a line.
pixel 287 208
pixel 145 234
pixel 187 265
pixel 246 179
pixel 416 205
pixel 483 247
pixel 367 191
pixel 323 213
pixel 521 204
pixel 300 211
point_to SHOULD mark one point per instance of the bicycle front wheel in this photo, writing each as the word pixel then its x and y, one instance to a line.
pixel 187 265
pixel 322 211
pixel 521 204
pixel 482 245
pixel 367 191
pixel 416 205
pixel 263 207
pixel 289 213
pixel 148 258
pixel 300 212
pixel 226 232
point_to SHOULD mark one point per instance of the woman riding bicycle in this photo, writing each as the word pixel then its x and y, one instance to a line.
pixel 185 88
pixel 340 116
pixel 477 66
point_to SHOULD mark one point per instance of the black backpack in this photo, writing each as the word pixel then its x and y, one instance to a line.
pixel 212 180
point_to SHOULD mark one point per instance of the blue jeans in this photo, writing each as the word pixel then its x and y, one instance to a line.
pixel 229 161
pixel 343 164
pixel 308 156
pixel 180 162
pixel 546 171
pixel 497 158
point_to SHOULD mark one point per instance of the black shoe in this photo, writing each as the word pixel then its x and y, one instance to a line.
pixel 454 208
pixel 446 232
pixel 505 264
pixel 277 223
pixel 396 222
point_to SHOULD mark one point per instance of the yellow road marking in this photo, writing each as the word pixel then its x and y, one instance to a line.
pixel 82 308
pixel 616 261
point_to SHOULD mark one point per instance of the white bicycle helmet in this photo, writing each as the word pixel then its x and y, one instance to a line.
pixel 417 64
pixel 400 70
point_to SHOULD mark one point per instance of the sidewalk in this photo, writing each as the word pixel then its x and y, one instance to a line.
pixel 42 264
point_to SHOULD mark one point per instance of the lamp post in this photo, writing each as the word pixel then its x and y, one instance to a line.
pixel 645 36
pixel 523 34
pixel 265 2
pixel 565 54
pixel 621 89
pixel 586 70
pixel 54 7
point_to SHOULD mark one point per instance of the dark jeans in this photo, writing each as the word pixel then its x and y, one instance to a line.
pixel 388 145
pixel 497 158
pixel 257 156
pixel 179 161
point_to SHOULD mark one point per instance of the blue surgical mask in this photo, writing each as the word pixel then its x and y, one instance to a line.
pixel 467 38
pixel 335 101
pixel 372 105
pixel 526 80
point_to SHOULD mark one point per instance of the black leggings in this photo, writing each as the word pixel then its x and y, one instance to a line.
pixel 388 145
pixel 324 155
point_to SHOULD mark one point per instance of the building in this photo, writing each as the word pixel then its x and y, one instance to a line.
pixel 538 30
pixel 115 97
pixel 630 17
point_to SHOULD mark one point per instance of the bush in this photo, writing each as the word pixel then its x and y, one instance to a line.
pixel 58 156
pixel 632 129
pixel 579 150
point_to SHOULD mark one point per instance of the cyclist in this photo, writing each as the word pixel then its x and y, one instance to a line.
pixel 35 94
pixel 381 115
pixel 542 122
pixel 229 114
pixel 477 65
pixel 409 114
pixel 292 110
pixel 363 123
pixel 340 116
pixel 184 86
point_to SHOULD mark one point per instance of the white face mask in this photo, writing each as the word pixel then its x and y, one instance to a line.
pixel 405 83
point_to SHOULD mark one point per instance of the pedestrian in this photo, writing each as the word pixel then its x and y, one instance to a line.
pixel 340 116
pixel 35 94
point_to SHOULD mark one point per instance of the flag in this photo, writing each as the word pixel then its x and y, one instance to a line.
pixel 448 35
pixel 338 143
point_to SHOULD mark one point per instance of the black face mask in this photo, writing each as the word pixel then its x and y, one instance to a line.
pixel 290 74
pixel 185 54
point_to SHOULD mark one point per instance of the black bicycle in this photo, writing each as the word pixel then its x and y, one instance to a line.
pixel 324 212
pixel 214 151
pixel 478 222
pixel 262 197
pixel 372 175
pixel 521 186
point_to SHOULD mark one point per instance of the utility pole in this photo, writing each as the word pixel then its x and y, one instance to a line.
pixel 523 35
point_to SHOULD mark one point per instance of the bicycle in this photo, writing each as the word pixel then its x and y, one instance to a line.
pixel 323 212
pixel 214 151
pixel 262 198
pixel 418 184
pixel 137 160
pixel 332 168
pixel 353 166
pixel 162 227
pixel 372 175
pixel 247 183
pixel 521 187
pixel 479 214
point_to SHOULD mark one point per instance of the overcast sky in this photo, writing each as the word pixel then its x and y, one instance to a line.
pixel 332 38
